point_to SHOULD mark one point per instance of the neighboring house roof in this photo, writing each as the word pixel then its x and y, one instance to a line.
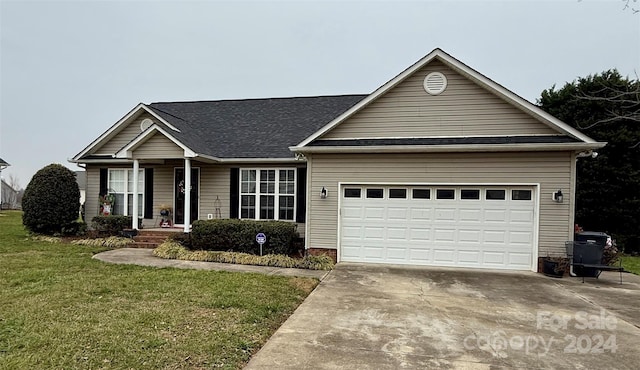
pixel 475 76
pixel 81 179
pixel 8 187
pixel 3 163
pixel 250 128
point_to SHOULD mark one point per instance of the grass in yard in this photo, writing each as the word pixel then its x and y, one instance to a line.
pixel 631 264
pixel 61 309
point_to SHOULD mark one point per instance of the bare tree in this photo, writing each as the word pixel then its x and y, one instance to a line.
pixel 631 5
pixel 11 193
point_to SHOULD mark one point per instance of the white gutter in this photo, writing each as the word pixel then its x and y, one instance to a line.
pixel 447 148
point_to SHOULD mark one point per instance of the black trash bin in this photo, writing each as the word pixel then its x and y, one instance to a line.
pixel 597 239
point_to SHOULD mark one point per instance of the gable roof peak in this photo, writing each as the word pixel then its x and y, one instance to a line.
pixel 467 72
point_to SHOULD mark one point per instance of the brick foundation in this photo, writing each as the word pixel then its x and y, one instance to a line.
pixel 333 253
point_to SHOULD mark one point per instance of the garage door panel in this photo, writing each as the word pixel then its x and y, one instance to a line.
pixel 445 215
pixel 470 236
pixel 470 215
pixel 397 214
pixel 521 216
pixel 521 259
pixel 494 236
pixel 444 232
pixel 469 257
pixel 421 214
pixel 495 258
pixel 374 213
pixel 444 235
pixel 419 234
pixel 397 233
pixel 444 256
pixel 353 213
pixel 397 254
pixel 374 233
pixel 524 237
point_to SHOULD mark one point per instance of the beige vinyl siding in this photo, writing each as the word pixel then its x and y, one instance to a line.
pixel 463 109
pixel 214 183
pixel 552 170
pixel 123 137
pixel 92 193
pixel 158 146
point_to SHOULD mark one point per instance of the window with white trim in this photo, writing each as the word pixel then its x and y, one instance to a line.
pixel 267 194
pixel 120 182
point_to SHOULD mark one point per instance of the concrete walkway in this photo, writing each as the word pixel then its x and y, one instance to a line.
pixel 145 257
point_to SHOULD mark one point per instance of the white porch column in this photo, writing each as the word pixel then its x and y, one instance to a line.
pixel 187 194
pixel 136 169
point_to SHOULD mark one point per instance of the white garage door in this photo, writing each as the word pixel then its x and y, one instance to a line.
pixel 470 226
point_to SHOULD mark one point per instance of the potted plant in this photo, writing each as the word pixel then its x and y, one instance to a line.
pixel 554 266
pixel 165 210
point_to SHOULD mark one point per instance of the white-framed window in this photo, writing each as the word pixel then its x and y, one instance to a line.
pixel 268 193
pixel 120 184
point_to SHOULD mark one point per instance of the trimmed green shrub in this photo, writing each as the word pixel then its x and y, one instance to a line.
pixel 240 236
pixel 183 239
pixel 51 201
pixel 111 225
pixel 110 242
pixel 173 250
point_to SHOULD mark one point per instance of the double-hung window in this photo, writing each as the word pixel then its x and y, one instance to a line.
pixel 267 194
pixel 121 185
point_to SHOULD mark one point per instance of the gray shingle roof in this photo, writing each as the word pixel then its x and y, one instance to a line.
pixel 3 163
pixel 252 128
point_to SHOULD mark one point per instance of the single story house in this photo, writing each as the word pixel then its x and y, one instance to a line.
pixel 3 165
pixel 439 166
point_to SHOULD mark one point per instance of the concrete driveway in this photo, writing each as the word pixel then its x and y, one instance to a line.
pixel 390 317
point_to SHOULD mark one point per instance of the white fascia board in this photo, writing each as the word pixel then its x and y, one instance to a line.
pixel 465 70
pixel 107 160
pixel 449 148
pixel 154 114
pixel 115 128
pixel 127 150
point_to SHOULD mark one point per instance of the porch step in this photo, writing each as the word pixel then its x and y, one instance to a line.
pixel 150 238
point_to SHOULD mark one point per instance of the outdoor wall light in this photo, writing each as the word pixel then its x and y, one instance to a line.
pixel 323 193
pixel 557 196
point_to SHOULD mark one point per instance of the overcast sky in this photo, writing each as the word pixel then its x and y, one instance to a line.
pixel 69 70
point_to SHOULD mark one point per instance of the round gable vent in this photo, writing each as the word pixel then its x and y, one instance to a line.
pixel 435 83
pixel 145 124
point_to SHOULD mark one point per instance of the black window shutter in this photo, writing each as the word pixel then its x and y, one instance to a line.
pixel 103 181
pixel 148 193
pixel 301 193
pixel 234 193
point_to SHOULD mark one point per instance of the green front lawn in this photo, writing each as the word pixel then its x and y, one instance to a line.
pixel 631 264
pixel 59 308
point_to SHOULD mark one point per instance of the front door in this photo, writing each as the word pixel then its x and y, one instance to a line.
pixel 179 192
